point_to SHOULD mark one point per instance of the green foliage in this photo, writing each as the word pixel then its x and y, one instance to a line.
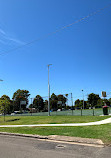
pixel 100 103
pixel 110 100
pixel 53 102
pixel 93 99
pixel 20 95
pixel 63 100
pixel 77 103
pixel 45 105
pixel 38 103
pixel 6 105
pixel 106 102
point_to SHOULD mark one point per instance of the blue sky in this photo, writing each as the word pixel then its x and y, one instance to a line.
pixel 80 54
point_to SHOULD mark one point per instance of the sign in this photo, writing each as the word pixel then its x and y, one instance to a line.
pixel 103 94
pixel 59 102
pixel 22 102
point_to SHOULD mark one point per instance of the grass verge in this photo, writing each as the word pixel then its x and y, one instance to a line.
pixel 24 120
pixel 102 132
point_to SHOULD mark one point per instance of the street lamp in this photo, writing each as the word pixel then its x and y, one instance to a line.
pixel 48 92
pixel 83 98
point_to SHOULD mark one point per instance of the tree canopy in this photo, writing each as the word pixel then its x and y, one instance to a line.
pixel 38 103
pixel 20 95
pixel 6 105
pixel 93 99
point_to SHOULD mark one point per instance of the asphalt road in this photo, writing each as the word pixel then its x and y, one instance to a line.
pixel 20 147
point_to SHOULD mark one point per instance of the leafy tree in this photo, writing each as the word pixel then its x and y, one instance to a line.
pixel 93 99
pixel 77 103
pixel 106 102
pixel 45 105
pixel 53 102
pixel 38 103
pixel 63 100
pixel 6 105
pixel 110 100
pixel 20 95
pixel 100 103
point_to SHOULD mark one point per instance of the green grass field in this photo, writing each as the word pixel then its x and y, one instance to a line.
pixel 20 120
pixel 102 132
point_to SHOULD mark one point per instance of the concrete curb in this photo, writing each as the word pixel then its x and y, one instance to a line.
pixel 76 139
pixel 58 138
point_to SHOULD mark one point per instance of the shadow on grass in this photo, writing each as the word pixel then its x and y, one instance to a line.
pixel 12 120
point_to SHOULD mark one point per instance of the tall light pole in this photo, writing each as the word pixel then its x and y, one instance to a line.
pixel 72 103
pixel 83 98
pixel 48 92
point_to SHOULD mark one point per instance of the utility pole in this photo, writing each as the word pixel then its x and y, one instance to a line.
pixel 48 92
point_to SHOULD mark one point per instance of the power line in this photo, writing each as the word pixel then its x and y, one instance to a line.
pixel 58 30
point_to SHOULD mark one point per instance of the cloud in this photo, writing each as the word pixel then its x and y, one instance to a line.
pixel 5 38
pixel 2 32
pixel 15 40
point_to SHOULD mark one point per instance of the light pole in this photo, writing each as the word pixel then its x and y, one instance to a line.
pixel 83 98
pixel 48 92
pixel 72 103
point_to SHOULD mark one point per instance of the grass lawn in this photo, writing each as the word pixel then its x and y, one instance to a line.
pixel 102 132
pixel 22 120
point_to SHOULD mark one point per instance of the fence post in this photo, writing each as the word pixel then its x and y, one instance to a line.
pixel 81 111
pixel 93 111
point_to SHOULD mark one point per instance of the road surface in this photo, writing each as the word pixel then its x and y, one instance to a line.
pixel 20 147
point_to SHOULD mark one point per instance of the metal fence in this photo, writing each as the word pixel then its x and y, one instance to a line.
pixel 79 112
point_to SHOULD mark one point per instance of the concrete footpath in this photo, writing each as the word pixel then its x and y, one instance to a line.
pixel 105 121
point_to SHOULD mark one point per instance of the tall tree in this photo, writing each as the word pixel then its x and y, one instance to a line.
pixel 38 103
pixel 6 105
pixel 110 100
pixel 53 102
pixel 45 105
pixel 100 103
pixel 63 100
pixel 77 103
pixel 20 95
pixel 93 99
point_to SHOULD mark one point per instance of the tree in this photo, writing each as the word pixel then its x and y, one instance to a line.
pixel 53 102
pixel 93 99
pixel 45 106
pixel 20 95
pixel 100 103
pixel 6 105
pixel 63 100
pixel 106 102
pixel 110 100
pixel 77 103
pixel 38 103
